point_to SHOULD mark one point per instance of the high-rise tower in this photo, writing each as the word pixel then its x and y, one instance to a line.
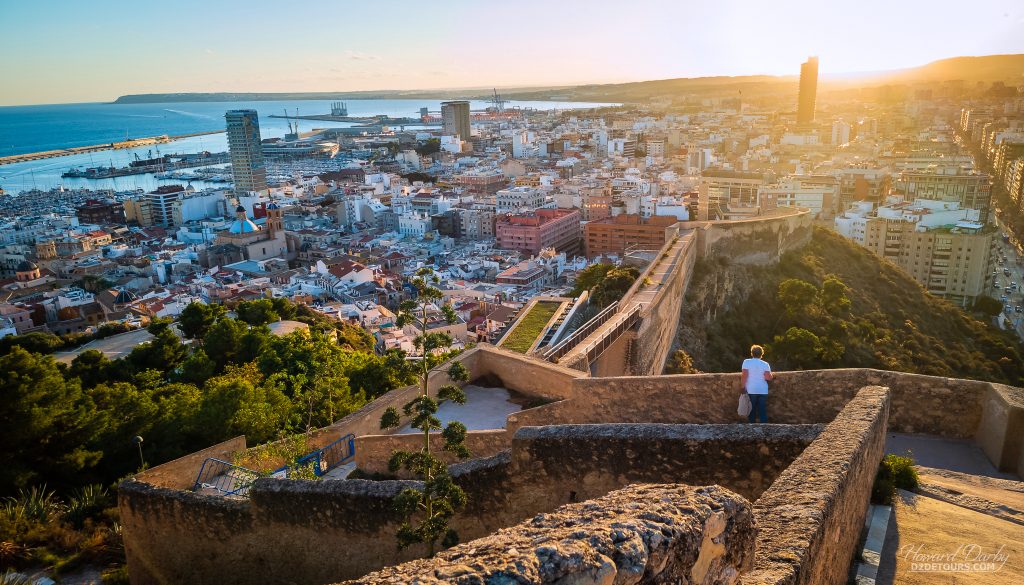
pixel 455 118
pixel 247 168
pixel 808 92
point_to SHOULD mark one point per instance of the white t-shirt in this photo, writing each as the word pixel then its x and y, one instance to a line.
pixel 756 367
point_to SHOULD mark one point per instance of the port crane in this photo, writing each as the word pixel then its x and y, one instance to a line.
pixel 498 101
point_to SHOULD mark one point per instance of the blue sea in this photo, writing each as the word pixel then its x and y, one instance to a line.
pixel 26 129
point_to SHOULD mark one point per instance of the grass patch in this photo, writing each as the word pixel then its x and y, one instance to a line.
pixel 529 327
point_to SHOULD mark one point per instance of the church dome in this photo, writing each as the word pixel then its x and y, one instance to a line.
pixel 243 226
pixel 239 209
pixel 26 266
pixel 272 205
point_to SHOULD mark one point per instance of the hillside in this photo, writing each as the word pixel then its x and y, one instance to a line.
pixel 1006 68
pixel 841 307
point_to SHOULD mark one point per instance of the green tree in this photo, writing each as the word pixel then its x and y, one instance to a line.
pixel 988 306
pixel 91 367
pixel 284 308
pixel 589 277
pixel 614 285
pixel 797 296
pixel 222 341
pixel 797 347
pixel 834 297
pixel 197 369
pixel 197 318
pixel 426 511
pixel 242 401
pixel 45 423
pixel 164 352
pixel 35 342
pixel 258 312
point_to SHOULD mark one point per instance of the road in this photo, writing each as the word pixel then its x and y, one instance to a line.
pixel 1014 255
pixel 115 346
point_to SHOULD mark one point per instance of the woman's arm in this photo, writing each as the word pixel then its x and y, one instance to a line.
pixel 743 378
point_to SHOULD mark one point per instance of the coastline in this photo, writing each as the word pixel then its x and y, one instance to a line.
pixel 124 144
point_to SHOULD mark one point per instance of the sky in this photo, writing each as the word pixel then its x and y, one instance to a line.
pixel 67 51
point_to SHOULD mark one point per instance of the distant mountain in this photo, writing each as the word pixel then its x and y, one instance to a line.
pixel 1006 68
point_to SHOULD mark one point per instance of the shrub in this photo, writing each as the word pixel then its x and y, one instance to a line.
pixel 894 472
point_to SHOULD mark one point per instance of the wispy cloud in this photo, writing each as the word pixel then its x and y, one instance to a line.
pixel 360 56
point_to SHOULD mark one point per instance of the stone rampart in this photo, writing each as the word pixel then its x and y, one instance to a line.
pixel 181 473
pixel 758 240
pixel 810 519
pixel 318 532
pixel 374 451
pixel 642 534
pixel 946 407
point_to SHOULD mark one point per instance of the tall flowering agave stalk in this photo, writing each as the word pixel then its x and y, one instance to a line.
pixel 426 511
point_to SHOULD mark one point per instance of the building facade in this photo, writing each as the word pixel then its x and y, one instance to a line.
pixel 621 233
pixel 455 119
pixel 247 166
pixel 808 92
pixel 544 228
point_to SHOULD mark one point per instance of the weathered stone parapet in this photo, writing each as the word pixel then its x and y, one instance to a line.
pixel 579 462
pixel 646 533
pixel 810 519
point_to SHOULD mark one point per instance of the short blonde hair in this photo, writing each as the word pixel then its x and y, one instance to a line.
pixel 756 351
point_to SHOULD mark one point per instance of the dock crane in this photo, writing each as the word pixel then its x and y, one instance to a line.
pixel 498 101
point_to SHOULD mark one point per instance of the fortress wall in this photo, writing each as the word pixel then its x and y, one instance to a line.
pixel 810 520
pixel 530 376
pixel 319 532
pixel 642 534
pixel 758 240
pixel 660 320
pixel 374 451
pixel 563 464
pixel 946 407
pixel 181 473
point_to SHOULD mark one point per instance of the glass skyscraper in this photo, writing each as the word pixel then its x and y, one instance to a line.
pixel 808 92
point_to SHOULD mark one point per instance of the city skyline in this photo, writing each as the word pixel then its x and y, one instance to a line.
pixel 95 52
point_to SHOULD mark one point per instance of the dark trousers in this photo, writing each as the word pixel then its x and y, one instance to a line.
pixel 758 407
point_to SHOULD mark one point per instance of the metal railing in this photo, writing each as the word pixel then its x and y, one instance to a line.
pixel 228 479
pixel 565 346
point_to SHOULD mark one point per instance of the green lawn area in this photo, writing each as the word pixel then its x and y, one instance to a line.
pixel 530 327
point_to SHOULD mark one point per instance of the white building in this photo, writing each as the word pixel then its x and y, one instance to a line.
pixel 518 199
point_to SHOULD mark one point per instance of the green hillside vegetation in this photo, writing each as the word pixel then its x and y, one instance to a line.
pixel 67 431
pixel 834 304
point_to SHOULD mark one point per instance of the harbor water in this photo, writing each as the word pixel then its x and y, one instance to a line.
pixel 25 129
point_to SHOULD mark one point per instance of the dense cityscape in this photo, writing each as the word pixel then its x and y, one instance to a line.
pixel 759 329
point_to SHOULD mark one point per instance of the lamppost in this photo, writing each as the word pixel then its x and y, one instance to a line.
pixel 138 443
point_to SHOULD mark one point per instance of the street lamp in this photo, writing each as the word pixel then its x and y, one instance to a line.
pixel 138 443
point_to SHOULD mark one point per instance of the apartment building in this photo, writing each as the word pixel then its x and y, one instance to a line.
pixel 818 193
pixel 518 199
pixel 531 232
pixel 619 233
pixel 948 183
pixel 942 246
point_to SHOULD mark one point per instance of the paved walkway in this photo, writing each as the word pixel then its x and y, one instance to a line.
pixel 114 347
pixel 485 409
pixel 956 455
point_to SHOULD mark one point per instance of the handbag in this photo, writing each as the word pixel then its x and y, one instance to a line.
pixel 744 406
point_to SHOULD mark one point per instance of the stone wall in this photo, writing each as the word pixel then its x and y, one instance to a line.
pixel 810 520
pixel 318 532
pixel 374 451
pixel 759 240
pixel 181 473
pixel 643 534
pixel 946 407
pixel 570 463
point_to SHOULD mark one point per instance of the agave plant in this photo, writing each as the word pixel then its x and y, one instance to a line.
pixel 84 502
